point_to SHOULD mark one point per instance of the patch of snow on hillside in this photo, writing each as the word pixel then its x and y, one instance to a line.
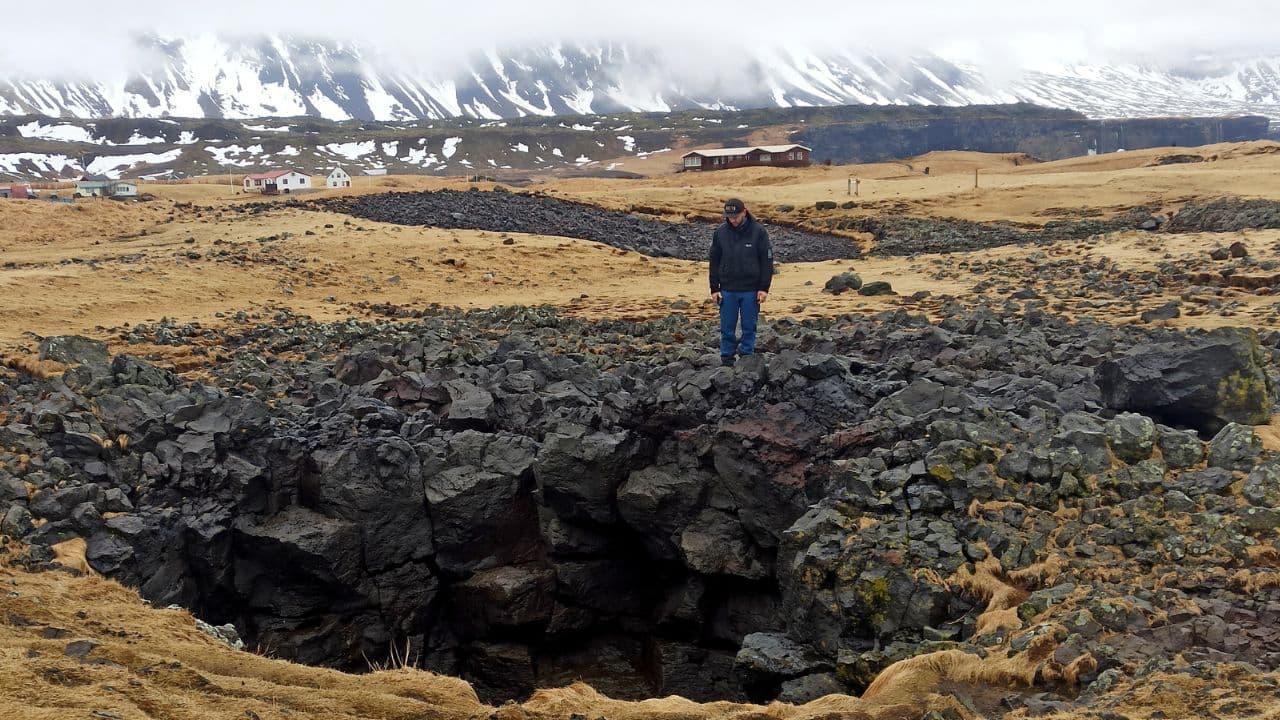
pixel 450 146
pixel 139 139
pixel 328 109
pixel 65 133
pixel 420 157
pixel 350 150
pixel 264 128
pixel 556 152
pixel 188 138
pixel 288 150
pixel 580 101
pixel 628 143
pixel 54 164
pixel 521 147
pixel 582 160
pixel 229 155
pixel 391 149
pixel 113 165
pixel 652 152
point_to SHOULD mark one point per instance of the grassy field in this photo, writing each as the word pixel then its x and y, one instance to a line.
pixel 190 255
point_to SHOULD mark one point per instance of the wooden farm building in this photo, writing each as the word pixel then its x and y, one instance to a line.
pixel 753 156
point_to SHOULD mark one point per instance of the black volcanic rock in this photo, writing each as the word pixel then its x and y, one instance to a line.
pixel 1204 382
pixel 842 282
pixel 521 512
pixel 516 212
pixel 74 349
pixel 1225 215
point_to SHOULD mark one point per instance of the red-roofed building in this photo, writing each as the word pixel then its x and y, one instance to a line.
pixel 277 181
pixel 756 155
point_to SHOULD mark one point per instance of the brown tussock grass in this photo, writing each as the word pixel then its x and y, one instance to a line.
pixel 34 366
pixel 911 678
pixel 987 581
pixel 1252 581
pixel 72 554
pixel 1264 556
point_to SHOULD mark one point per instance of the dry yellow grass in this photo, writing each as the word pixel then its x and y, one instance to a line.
pixel 98 264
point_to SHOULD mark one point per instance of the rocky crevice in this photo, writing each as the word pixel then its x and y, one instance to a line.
pixel 522 514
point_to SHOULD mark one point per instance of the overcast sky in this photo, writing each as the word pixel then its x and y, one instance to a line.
pixel 91 35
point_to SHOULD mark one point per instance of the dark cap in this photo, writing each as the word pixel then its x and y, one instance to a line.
pixel 732 207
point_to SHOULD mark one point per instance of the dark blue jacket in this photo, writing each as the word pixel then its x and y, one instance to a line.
pixel 741 258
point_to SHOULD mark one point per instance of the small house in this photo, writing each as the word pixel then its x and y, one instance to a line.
pixel 754 156
pixel 16 192
pixel 103 186
pixel 338 179
pixel 277 181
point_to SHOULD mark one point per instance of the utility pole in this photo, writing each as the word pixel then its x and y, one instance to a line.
pixel 975 178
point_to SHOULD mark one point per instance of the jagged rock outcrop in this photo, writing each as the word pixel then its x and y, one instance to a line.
pixel 1204 381
pixel 519 513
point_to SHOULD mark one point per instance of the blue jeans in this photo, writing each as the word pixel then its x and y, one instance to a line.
pixel 733 305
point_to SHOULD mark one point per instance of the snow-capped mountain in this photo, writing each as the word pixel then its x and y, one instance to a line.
pixel 218 77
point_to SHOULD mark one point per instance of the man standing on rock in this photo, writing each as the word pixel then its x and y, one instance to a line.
pixel 741 272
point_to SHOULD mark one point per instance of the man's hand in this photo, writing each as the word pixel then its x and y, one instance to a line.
pixel 761 296
pixel 715 297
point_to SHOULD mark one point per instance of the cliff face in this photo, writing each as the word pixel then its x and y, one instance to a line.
pixel 1048 138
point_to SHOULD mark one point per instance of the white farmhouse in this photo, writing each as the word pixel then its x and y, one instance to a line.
pixel 277 181
pixel 338 179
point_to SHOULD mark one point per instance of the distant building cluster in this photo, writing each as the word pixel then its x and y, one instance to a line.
pixel 751 156
pixel 273 182
pixel 285 181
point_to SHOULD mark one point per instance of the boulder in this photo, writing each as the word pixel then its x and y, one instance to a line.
pixel 1205 382
pixel 1262 486
pixel 74 350
pixel 505 597
pixel 469 405
pixel 842 282
pixel 1131 437
pixel 480 519
pixel 715 543
pixel 1235 447
pixel 878 287
pixel 578 471
pixel 17 521
pixel 1180 449
pixel 774 655
pixel 658 502
pixel 811 687
pixel 1168 311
